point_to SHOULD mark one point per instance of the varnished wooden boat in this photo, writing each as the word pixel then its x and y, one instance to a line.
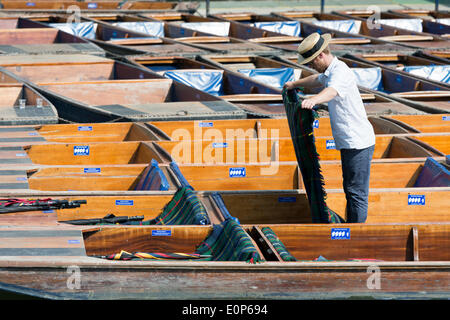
pixel 399 253
pixel 137 94
pixel 20 104
pixel 424 123
pixel 388 34
pixel 276 149
pixel 215 177
pixel 18 35
pixel 101 5
pixel 423 21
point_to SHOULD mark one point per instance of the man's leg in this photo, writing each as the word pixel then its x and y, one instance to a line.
pixel 356 174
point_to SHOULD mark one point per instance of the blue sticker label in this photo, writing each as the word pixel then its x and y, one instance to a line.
pixel 124 202
pixel 158 233
pixel 84 128
pixel 32 133
pixel 21 179
pixel 48 211
pixel 21 154
pixel 340 233
pixel 446 118
pixel 30 4
pixel 330 144
pixel 92 5
pixel 80 150
pixel 205 124
pixel 287 199
pixel 92 170
pixel 416 200
pixel 316 124
pixel 73 241
pixel 220 144
pixel 398 78
pixel 237 172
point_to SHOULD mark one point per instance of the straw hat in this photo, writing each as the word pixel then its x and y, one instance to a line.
pixel 311 46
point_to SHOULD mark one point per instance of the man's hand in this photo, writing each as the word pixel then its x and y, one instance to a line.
pixel 308 103
pixel 289 85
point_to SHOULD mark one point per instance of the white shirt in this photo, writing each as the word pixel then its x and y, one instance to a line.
pixel 349 124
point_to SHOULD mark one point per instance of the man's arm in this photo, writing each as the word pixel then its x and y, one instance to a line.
pixel 309 82
pixel 322 97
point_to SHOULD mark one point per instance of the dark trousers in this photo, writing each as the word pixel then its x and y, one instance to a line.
pixel 356 174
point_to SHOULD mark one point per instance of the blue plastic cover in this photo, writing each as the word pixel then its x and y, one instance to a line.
pixel 179 175
pixel 275 77
pixel 290 28
pixel 445 21
pixel 408 24
pixel 153 178
pixel 438 73
pixel 350 26
pixel 433 174
pixel 80 29
pixel 155 29
pixel 369 78
pixel 209 81
pixel 221 29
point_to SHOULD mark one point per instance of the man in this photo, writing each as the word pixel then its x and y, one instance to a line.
pixel 352 131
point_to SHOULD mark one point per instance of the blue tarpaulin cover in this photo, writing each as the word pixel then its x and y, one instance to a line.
pixel 221 29
pixel 408 24
pixel 80 29
pixel 438 73
pixel 275 77
pixel 155 29
pixel 153 178
pixel 209 81
pixel 290 28
pixel 350 26
pixel 369 78
pixel 433 174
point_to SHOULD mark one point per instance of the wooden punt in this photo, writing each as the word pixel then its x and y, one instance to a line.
pixel 213 177
pixel 21 104
pixel 426 24
pixel 18 35
pixel 402 253
pixel 392 205
pixel 122 91
pixel 76 133
pixel 423 124
pixel 219 44
pixel 272 150
pixel 395 36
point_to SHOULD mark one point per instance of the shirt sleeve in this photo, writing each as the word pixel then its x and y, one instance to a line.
pixel 341 80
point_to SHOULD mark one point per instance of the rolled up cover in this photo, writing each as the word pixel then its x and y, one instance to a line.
pixel 437 73
pixel 349 26
pixel 275 77
pixel 369 78
pixel 81 29
pixel 220 29
pixel 433 174
pixel 153 178
pixel 228 241
pixel 209 81
pixel 155 29
pixel 407 24
pixel 290 28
